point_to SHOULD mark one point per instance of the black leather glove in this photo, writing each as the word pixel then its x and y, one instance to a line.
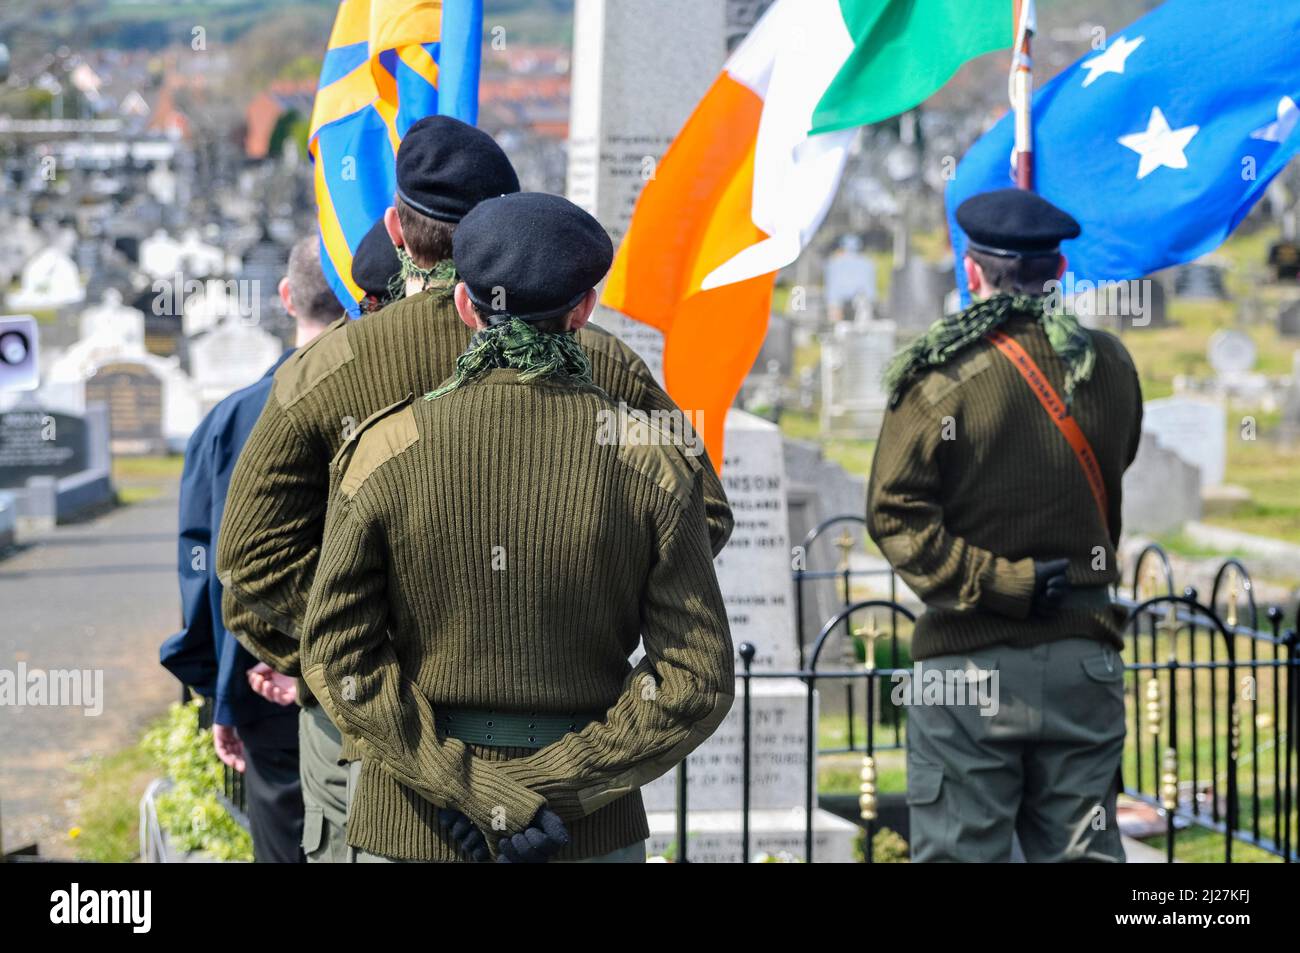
pixel 1050 587
pixel 469 840
pixel 539 842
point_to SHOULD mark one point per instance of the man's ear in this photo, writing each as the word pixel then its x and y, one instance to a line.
pixel 580 315
pixel 465 308
pixel 974 276
pixel 1060 268
pixel 286 298
pixel 393 225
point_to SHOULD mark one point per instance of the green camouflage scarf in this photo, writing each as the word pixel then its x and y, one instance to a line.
pixel 950 335
pixel 538 355
pixel 441 277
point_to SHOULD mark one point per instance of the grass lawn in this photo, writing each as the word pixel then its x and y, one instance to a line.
pixel 108 818
pixel 158 469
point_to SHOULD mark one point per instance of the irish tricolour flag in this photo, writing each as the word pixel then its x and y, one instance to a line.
pixel 753 172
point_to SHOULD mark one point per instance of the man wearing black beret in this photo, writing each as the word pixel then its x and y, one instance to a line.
pixel 275 515
pixel 490 561
pixel 377 269
pixel 995 495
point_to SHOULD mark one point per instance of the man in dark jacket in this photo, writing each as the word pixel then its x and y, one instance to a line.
pixel 254 724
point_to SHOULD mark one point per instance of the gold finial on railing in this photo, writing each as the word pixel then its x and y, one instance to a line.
pixel 867 797
pixel 845 543
pixel 1155 711
pixel 869 633
pixel 1147 584
pixel 1234 739
pixel 1169 780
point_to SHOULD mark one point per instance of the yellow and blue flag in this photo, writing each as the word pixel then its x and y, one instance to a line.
pixel 388 64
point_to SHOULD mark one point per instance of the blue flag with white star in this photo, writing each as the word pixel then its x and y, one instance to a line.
pixel 1160 143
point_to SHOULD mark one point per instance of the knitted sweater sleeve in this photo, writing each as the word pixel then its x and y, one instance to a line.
pixel 270 537
pixel 671 701
pixel 905 518
pixel 350 666
pixel 629 379
pixel 717 511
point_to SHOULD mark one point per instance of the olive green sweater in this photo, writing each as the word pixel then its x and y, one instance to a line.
pixel 275 511
pixel 972 482
pixel 495 549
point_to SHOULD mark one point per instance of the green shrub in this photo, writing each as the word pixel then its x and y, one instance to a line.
pixel 190 811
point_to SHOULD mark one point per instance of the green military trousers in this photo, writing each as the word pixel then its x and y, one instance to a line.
pixel 1034 750
pixel 324 788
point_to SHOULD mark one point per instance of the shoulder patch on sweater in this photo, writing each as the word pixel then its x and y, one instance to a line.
pixel 659 454
pixel 598 341
pixel 379 439
pixel 310 365
pixel 942 381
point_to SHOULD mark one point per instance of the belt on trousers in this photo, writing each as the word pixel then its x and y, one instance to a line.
pixel 1087 597
pixel 495 729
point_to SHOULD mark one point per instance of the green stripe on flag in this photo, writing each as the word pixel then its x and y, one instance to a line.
pixel 903 51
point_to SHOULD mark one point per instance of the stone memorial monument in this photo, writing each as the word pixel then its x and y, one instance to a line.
pixel 636 79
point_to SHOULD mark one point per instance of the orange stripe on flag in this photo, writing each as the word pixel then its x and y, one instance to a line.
pixel 692 217
pixel 331 232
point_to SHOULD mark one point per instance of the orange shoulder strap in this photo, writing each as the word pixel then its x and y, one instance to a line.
pixel 1056 410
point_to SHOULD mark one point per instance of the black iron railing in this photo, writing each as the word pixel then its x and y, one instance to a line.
pixel 1210 689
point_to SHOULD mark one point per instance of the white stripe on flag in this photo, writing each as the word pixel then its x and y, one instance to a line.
pixel 789 59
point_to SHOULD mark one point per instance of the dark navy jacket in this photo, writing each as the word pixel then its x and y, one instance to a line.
pixel 203 654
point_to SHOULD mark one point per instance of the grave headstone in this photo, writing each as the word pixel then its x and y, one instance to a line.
pixel 113 321
pixel 917 294
pixel 853 366
pixel 134 395
pixel 231 356
pixel 1231 353
pixel 1284 257
pixel 38 442
pixel 1288 320
pixel 1195 429
pixel 754 575
pixel 1137 305
pixel 849 275
pixel 1202 280
pixel 778 346
pixel 1162 490
pixel 50 280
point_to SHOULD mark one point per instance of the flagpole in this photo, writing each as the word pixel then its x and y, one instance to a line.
pixel 1021 83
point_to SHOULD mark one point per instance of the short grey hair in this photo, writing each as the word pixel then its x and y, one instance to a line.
pixel 313 298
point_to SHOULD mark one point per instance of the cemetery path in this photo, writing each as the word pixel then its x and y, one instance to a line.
pixel 99 596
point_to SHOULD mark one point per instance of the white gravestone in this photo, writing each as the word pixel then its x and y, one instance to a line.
pixel 754 573
pixel 111 321
pixel 853 369
pixel 1194 428
pixel 49 280
pixel 231 356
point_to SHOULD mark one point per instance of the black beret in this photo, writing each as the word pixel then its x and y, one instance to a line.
pixel 375 262
pixel 445 168
pixel 1015 222
pixel 542 250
